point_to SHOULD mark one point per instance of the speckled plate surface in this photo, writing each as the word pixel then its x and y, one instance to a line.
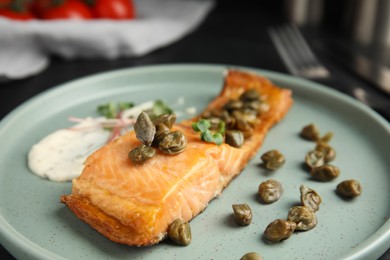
pixel 35 225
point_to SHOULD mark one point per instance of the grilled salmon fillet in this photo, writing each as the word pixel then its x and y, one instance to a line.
pixel 134 204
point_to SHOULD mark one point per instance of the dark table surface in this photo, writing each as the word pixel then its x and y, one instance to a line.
pixel 234 34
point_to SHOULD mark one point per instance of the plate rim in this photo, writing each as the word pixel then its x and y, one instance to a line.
pixel 17 244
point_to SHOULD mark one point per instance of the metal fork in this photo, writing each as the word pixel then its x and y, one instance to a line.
pixel 301 61
pixel 296 53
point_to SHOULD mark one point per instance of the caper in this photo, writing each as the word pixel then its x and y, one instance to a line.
pixel 232 105
pixel 314 159
pixel 215 123
pixel 144 129
pixel 264 107
pixel 229 120
pixel 234 138
pixel 303 217
pixel 251 256
pixel 161 131
pixel 270 191
pixel 250 95
pixel 327 137
pixel 273 159
pixel 243 125
pixel 141 154
pixel 249 116
pixel 326 172
pixel 310 198
pixel 253 106
pixel 173 143
pixel 310 132
pixel 327 150
pixel 207 114
pixel 180 232
pixel 349 188
pixel 166 119
pixel 242 214
pixel 279 230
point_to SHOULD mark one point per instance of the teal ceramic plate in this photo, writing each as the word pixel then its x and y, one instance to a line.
pixel 35 225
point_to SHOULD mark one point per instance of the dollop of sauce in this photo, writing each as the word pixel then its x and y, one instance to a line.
pixel 60 156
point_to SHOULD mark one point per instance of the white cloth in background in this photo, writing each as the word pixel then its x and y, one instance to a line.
pixel 25 47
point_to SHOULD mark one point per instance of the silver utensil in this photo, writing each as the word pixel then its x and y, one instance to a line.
pixel 296 53
pixel 301 61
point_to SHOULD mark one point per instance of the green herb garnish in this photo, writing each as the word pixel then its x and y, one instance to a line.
pixel 203 126
pixel 111 109
pixel 160 108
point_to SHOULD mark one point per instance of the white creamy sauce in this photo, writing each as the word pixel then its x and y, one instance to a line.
pixel 136 110
pixel 60 156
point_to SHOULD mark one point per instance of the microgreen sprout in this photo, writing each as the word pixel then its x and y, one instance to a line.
pixel 203 126
pixel 112 110
pixel 159 108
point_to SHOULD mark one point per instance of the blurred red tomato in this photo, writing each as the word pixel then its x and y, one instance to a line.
pixel 15 9
pixel 71 9
pixel 16 15
pixel 114 9
pixel 38 6
pixel 5 2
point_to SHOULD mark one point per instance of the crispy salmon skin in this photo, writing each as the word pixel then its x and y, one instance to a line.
pixel 134 204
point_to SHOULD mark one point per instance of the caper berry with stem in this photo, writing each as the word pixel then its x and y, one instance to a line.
pixel 173 143
pixel 349 188
pixel 304 217
pixel 315 159
pixel 273 159
pixel 326 172
pixel 279 230
pixel 180 232
pixel 270 191
pixel 242 214
pixel 310 198
pixel 144 129
pixel 310 132
pixel 234 138
pixel 141 154
pixel 251 256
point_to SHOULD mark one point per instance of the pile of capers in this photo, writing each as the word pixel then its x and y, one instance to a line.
pixel 240 116
pixel 158 134
pixel 299 218
pixel 318 161
pixel 303 217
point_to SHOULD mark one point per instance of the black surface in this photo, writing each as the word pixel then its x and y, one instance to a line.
pixel 234 33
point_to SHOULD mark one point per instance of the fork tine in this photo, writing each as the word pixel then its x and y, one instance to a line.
pixel 296 53
pixel 304 49
pixel 282 49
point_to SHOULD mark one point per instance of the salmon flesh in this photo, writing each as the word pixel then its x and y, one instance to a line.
pixel 134 204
